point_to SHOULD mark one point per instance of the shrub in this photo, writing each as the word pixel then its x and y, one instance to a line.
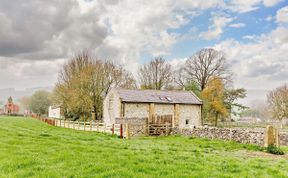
pixel 274 150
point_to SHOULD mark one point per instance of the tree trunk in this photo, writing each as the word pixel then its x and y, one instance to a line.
pixel 216 119
pixel 94 113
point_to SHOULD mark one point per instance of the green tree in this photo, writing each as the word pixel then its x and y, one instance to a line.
pixel 231 96
pixel 24 102
pixel 193 86
pixel 40 102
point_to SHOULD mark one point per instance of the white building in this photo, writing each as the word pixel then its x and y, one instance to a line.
pixel 54 112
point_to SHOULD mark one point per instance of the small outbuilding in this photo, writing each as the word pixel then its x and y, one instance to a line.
pixel 54 112
pixel 183 106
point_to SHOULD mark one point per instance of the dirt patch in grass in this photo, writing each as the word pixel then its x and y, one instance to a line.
pixel 259 154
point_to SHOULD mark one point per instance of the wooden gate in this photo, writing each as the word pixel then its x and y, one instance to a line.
pixel 160 125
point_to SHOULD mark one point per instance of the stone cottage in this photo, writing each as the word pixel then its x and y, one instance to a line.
pixel 184 106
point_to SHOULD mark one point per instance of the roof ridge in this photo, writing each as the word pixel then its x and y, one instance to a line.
pixel 180 91
pixel 154 96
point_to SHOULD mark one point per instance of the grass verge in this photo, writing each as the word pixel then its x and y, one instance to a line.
pixel 30 148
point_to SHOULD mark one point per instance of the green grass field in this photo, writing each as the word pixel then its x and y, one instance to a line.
pixel 30 148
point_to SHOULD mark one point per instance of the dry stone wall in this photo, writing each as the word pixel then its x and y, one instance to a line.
pixel 241 135
pixel 283 138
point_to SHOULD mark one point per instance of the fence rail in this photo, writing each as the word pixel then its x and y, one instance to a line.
pixel 114 129
pixel 124 130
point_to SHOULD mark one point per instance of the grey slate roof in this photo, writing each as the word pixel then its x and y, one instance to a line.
pixel 158 96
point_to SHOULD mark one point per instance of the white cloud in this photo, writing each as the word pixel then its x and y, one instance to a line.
pixel 237 25
pixel 270 3
pixel 216 29
pixel 282 15
pixel 46 31
pixel 263 61
pixel 269 18
pixel 20 73
pixel 116 30
pixel 249 37
pixel 243 6
pixel 178 63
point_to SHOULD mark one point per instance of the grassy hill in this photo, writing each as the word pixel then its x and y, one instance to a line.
pixel 30 148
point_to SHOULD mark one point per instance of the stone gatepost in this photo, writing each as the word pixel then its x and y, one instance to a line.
pixel 271 136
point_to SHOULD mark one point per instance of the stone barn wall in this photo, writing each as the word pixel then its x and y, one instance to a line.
pixel 111 107
pixel 192 113
pixel 164 109
pixel 240 135
pixel 132 121
pixel 133 110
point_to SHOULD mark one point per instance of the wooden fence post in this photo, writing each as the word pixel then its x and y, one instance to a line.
pixel 97 126
pixel 90 125
pixel 113 128
pixel 166 128
pixel 121 130
pixel 60 123
pixel 127 131
pixel 148 128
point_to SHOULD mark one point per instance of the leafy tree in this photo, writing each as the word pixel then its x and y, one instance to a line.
pixel 25 102
pixel 251 113
pixel 230 97
pixel 206 66
pixel 213 96
pixel 278 103
pixel 156 75
pixel 40 102
pixel 193 86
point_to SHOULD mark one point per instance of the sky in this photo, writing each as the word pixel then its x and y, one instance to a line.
pixel 38 37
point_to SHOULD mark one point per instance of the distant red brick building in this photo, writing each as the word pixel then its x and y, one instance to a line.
pixel 10 107
pixel 1 111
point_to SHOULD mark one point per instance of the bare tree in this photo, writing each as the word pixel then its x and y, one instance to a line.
pixel 180 77
pixel 278 102
pixel 156 75
pixel 85 81
pixel 204 65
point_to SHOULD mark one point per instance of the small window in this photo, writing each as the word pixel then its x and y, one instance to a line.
pixel 187 121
